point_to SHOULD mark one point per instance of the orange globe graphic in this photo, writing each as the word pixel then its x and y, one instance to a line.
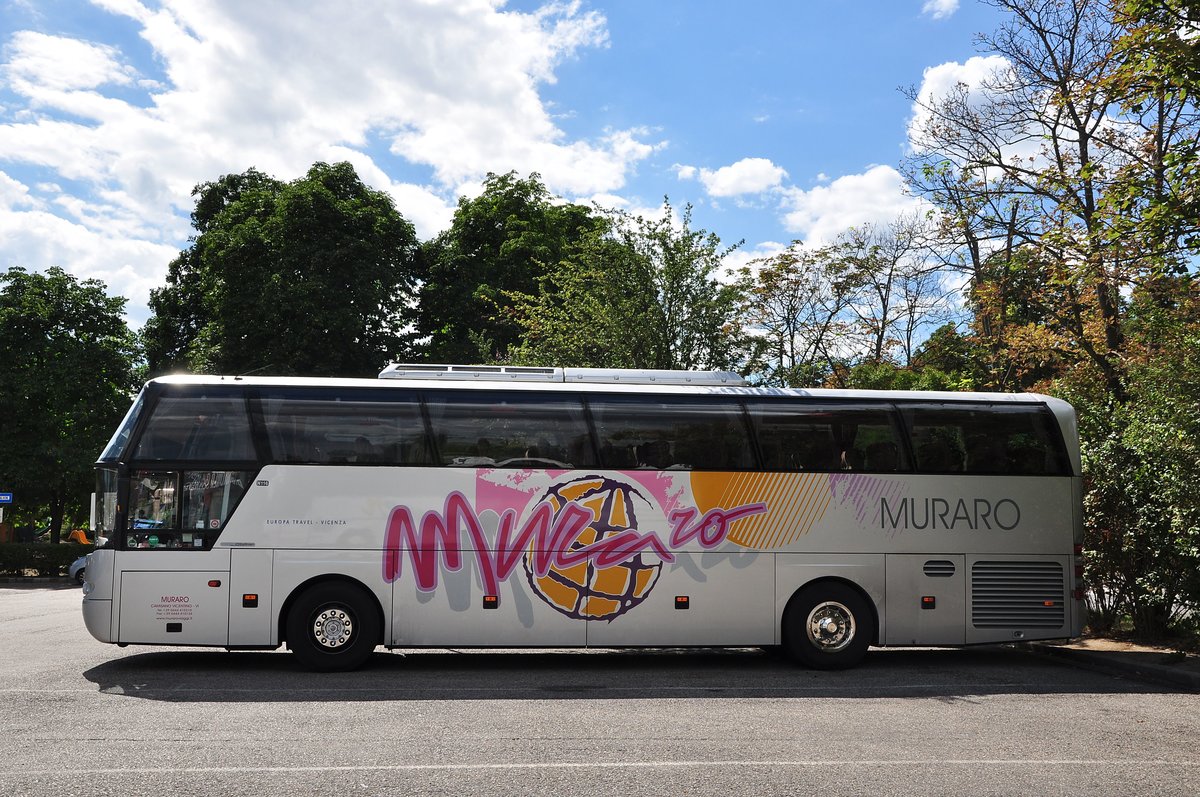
pixel 584 591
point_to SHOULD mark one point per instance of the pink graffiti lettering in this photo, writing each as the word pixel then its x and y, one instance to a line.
pixel 713 527
pixel 436 542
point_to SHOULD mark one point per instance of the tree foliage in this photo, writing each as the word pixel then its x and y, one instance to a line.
pixel 866 298
pixel 500 243
pixel 314 276
pixel 66 379
pixel 635 293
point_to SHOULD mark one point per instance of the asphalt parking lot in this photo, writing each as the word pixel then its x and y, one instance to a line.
pixel 82 718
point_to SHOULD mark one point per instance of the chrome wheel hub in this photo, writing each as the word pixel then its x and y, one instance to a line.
pixel 332 628
pixel 830 626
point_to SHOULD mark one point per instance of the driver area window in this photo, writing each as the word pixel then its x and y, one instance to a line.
pixel 177 510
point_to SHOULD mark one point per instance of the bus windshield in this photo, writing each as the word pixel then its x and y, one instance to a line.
pixel 112 451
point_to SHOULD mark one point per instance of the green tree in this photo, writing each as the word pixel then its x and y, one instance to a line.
pixel 978 152
pixel 314 276
pixel 500 243
pixel 1141 464
pixel 1156 196
pixel 636 294
pixel 796 301
pixel 66 379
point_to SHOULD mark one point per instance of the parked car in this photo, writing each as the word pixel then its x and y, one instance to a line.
pixel 78 569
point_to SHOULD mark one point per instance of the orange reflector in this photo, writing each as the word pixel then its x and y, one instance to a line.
pixel 491 601
pixel 1047 603
pixel 682 601
pixel 250 596
pixel 250 600
pixel 214 583
pixel 928 602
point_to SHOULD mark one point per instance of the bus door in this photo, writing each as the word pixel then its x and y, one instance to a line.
pixel 173 576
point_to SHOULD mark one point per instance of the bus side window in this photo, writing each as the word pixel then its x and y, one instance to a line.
pixel 826 437
pixel 353 427
pixel 671 433
pixel 939 455
pixel 509 430
pixel 152 500
pixel 1000 438
pixel 209 497
pixel 198 427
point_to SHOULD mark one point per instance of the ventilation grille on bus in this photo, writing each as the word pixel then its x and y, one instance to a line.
pixel 1017 595
pixel 939 568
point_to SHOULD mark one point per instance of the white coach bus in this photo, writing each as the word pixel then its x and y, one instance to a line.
pixel 459 506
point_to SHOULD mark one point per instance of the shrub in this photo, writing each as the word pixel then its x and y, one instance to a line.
pixel 35 558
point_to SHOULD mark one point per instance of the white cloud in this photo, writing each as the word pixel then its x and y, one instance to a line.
pixel 451 88
pixel 14 194
pixel 37 62
pixel 747 176
pixel 939 9
pixel 820 214
pixel 939 81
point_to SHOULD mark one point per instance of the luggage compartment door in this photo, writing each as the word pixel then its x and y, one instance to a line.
pixel 912 580
pixel 174 608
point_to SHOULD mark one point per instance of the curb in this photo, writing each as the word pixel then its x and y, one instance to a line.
pixel 1120 665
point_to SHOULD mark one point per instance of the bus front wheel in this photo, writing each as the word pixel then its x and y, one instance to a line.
pixel 826 626
pixel 333 627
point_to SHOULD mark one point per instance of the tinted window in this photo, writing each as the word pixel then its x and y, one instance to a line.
pixel 352 427
pixel 671 434
pixel 993 439
pixel 509 430
pixel 813 437
pixel 198 428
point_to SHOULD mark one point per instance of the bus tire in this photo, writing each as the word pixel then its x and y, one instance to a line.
pixel 333 627
pixel 827 626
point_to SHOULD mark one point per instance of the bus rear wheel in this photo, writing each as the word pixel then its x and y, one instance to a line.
pixel 333 627
pixel 827 627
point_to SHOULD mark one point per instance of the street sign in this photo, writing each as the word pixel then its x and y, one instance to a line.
pixel 5 498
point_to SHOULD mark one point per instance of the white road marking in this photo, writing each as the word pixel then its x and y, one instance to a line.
pixel 576 765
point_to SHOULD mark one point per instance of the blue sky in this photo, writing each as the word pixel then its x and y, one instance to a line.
pixel 776 120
